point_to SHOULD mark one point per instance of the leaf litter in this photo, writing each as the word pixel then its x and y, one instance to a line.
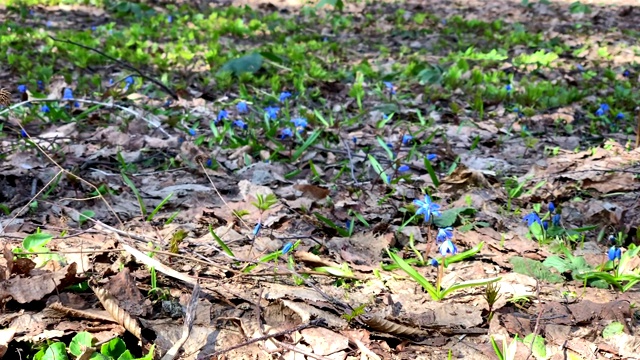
pixel 342 210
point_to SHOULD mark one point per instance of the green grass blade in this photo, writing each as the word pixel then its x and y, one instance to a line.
pixel 131 185
pixel 432 172
pixel 310 140
pixel 157 208
pixel 466 284
pixel 221 243
pixel 415 275
pixel 378 169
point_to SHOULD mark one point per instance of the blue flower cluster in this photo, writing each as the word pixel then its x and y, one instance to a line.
pixel 533 217
pixel 444 239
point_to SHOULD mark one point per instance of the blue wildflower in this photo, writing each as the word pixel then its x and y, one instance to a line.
pixel 299 123
pixel 45 109
pixel 444 234
pixel 241 124
pixel 604 107
pixel 619 116
pixel 552 207
pixel 23 133
pixel 431 157
pixel 67 94
pixel 580 67
pixel 555 220
pixel 272 112
pixel 169 19
pixel 427 208
pixel 403 168
pixel 40 85
pixel 508 87
pixel 284 96
pixel 242 107
pixel 406 139
pixel 49 23
pixel 614 253
pixel 532 218
pixel 286 248
pixel 129 80
pixel 390 87
pixel 433 262
pixel 448 248
pixel 209 163
pixel 355 140
pixel 76 104
pixel 22 88
pixel 192 132
pixel 545 224
pixel 223 114
pixel 110 82
pixel 626 73
pixel 257 228
pixel 285 133
pixel 599 112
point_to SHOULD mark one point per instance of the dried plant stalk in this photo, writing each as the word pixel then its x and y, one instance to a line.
pixel 119 314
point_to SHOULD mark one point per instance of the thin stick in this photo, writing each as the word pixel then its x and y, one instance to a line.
pixel 123 64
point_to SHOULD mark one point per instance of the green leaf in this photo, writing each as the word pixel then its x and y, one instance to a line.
pixel 534 269
pixel 466 284
pixel 536 343
pixel 310 140
pixel 85 215
pixel 496 349
pixel 337 4
pixel 133 188
pixel 613 329
pixel 221 243
pixel 80 342
pixel 435 295
pixel 157 208
pixel 126 356
pixel 340 230
pixel 448 217
pixel 149 356
pixel 37 240
pixel 272 57
pixel 250 63
pixel 431 172
pixel 537 230
pixel 56 351
pixel 378 169
pixel 342 271
pixel 113 348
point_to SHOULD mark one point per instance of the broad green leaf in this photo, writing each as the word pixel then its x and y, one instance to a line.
pixel 448 217
pixel 534 269
pixel 342 271
pixel 56 351
pixel 37 240
pixel 85 215
pixel 250 63
pixel 537 346
pixel 80 342
pixel 113 348
pixel 613 329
